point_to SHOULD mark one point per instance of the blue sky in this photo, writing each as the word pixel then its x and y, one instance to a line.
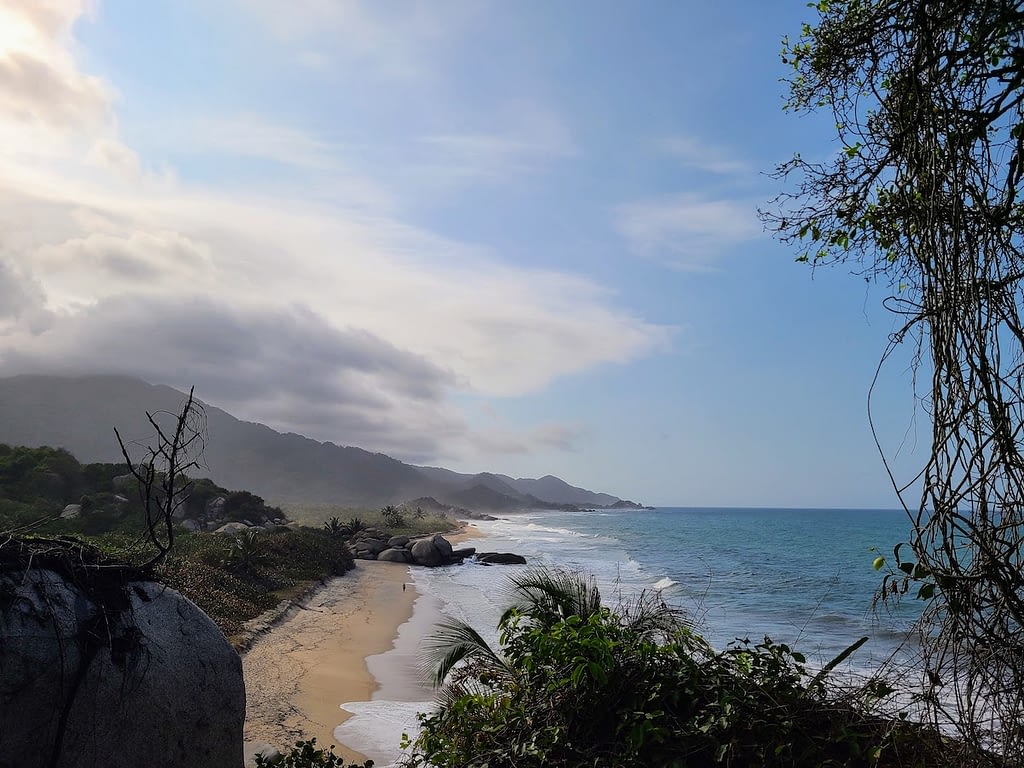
pixel 515 237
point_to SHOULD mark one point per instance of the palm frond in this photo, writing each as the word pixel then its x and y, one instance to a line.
pixel 455 641
pixel 651 617
pixel 552 594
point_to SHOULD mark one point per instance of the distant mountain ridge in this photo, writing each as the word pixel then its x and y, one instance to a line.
pixel 80 413
pixel 550 489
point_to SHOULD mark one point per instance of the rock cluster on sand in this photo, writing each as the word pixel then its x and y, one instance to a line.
pixel 431 551
pixel 85 662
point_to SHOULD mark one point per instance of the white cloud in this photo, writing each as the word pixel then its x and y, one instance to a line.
pixel 698 154
pixel 687 232
pixel 83 270
pixel 253 136
pixel 40 83
pixel 115 156
pixel 394 40
pixel 21 304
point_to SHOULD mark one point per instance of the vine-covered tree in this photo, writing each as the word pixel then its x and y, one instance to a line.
pixel 923 195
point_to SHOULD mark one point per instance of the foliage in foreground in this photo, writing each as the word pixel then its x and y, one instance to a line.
pixel 306 754
pixel 577 684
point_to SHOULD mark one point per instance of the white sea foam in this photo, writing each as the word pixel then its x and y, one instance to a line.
pixel 664 583
pixel 376 728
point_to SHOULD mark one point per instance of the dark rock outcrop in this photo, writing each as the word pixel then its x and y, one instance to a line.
pixel 429 551
pixel 84 663
pixel 500 558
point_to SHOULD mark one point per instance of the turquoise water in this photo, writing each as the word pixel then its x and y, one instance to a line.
pixel 801 576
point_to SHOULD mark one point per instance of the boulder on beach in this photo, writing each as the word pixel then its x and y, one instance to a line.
pixel 425 552
pixel 442 545
pixel 430 551
pixel 394 555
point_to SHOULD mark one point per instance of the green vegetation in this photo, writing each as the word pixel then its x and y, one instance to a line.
pixel 393 517
pixel 236 578
pixel 575 684
pixel 399 520
pixel 36 484
pixel 232 578
pixel 306 754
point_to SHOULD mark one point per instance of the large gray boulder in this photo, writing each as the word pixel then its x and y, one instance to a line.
pixel 395 555
pixel 373 546
pixel 425 552
pixel 443 546
pixel 99 672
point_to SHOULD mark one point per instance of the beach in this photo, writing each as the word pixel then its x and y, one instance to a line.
pixel 298 674
pixel 316 658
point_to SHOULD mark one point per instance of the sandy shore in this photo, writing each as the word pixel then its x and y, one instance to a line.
pixel 298 674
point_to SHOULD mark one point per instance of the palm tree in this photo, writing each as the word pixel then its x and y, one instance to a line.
pixel 567 668
pixel 539 597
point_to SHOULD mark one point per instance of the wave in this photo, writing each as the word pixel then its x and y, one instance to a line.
pixel 665 583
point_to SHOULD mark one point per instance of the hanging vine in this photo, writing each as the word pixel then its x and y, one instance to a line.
pixel 923 196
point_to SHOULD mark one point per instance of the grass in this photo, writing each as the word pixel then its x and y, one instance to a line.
pixel 233 588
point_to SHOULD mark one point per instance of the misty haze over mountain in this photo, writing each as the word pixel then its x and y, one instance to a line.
pixel 80 414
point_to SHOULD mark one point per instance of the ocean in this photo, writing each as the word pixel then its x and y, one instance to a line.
pixel 799 576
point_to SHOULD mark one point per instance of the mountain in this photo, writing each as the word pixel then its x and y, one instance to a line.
pixel 80 414
pixel 556 490
pixel 549 488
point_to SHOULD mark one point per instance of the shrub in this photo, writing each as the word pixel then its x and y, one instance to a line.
pixel 353 526
pixel 244 551
pixel 393 517
pixel 306 754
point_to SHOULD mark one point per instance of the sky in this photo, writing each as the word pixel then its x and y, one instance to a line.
pixel 518 237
